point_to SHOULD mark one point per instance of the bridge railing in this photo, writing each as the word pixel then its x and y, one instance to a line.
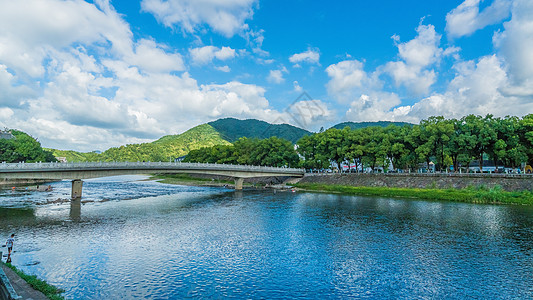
pixel 141 165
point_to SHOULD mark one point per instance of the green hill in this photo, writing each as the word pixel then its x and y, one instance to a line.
pixel 359 125
pixel 220 132
pixel 17 146
pixel 164 149
pixel 232 129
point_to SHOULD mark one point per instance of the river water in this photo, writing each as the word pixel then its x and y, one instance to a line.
pixel 142 239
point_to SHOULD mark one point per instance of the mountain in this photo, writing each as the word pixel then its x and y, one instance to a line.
pixel 164 149
pixel 359 125
pixel 220 132
pixel 232 129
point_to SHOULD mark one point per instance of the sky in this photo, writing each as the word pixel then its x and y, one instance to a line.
pixel 89 75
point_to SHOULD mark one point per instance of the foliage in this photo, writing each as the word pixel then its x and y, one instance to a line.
pixel 507 141
pixel 23 148
pixel 48 290
pixel 166 148
pixel 360 125
pixel 268 152
pixel 232 129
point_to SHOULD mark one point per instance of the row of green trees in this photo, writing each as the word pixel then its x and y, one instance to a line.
pixel 23 148
pixel 507 141
pixel 447 142
pixel 273 151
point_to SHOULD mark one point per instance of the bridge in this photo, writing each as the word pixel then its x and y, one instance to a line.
pixel 78 171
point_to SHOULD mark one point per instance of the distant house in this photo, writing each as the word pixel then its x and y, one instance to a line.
pixel 6 135
pixel 62 159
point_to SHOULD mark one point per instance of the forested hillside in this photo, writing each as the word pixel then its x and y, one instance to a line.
pixel 359 125
pixel 23 148
pixel 232 129
pixel 166 148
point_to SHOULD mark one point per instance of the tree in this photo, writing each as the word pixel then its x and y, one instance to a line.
pixel 480 135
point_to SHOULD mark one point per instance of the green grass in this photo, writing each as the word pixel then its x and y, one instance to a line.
pixel 495 195
pixel 185 178
pixel 48 290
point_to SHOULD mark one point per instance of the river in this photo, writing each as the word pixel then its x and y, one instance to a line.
pixel 133 238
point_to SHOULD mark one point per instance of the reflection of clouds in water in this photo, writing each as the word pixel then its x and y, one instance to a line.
pixel 209 243
pixel 94 190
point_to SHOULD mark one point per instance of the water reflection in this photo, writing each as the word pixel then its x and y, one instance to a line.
pixel 144 239
pixel 75 210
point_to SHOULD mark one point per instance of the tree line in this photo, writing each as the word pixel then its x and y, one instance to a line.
pixel 449 143
pixel 23 148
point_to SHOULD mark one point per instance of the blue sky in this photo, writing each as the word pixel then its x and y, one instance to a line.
pixel 91 75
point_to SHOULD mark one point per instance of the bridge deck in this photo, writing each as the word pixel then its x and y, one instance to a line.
pixel 101 169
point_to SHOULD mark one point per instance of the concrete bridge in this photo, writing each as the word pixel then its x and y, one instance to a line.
pixel 78 171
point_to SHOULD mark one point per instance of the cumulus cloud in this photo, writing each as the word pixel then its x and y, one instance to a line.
pixel 276 76
pixel 309 114
pixel 30 28
pixel 206 54
pixel 516 43
pixel 372 107
pixel 226 17
pixel 151 57
pixel 297 87
pixel 466 18
pixel 311 56
pixel 12 95
pixel 345 77
pixel 416 56
pixel 72 74
pixel 224 69
pixel 476 89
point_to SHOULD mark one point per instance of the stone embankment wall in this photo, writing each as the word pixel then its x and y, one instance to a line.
pixel 439 181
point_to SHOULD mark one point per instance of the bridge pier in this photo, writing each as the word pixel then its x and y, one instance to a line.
pixel 77 186
pixel 239 183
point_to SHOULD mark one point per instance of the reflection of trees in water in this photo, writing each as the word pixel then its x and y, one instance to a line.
pixel 16 215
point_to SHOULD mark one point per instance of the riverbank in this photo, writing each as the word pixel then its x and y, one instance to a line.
pixel 510 183
pixel 29 286
pixel 216 180
pixel 494 195
pixel 470 188
pixel 185 179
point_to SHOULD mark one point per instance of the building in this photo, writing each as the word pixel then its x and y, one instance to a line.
pixel 6 135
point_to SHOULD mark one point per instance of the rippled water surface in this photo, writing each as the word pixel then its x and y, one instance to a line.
pixel 133 238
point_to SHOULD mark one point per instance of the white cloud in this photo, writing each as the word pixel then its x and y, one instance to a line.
pixel 206 54
pixel 276 76
pixel 345 77
pixel 12 95
pixel 466 19
pixel 373 107
pixel 516 43
pixel 227 17
pixel 297 87
pixel 152 57
pixel 311 56
pixel 71 74
pixel 30 28
pixel 224 69
pixel 417 56
pixel 476 89
pixel 309 114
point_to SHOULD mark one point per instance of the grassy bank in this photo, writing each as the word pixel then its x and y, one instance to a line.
pixel 495 195
pixel 185 179
pixel 48 290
